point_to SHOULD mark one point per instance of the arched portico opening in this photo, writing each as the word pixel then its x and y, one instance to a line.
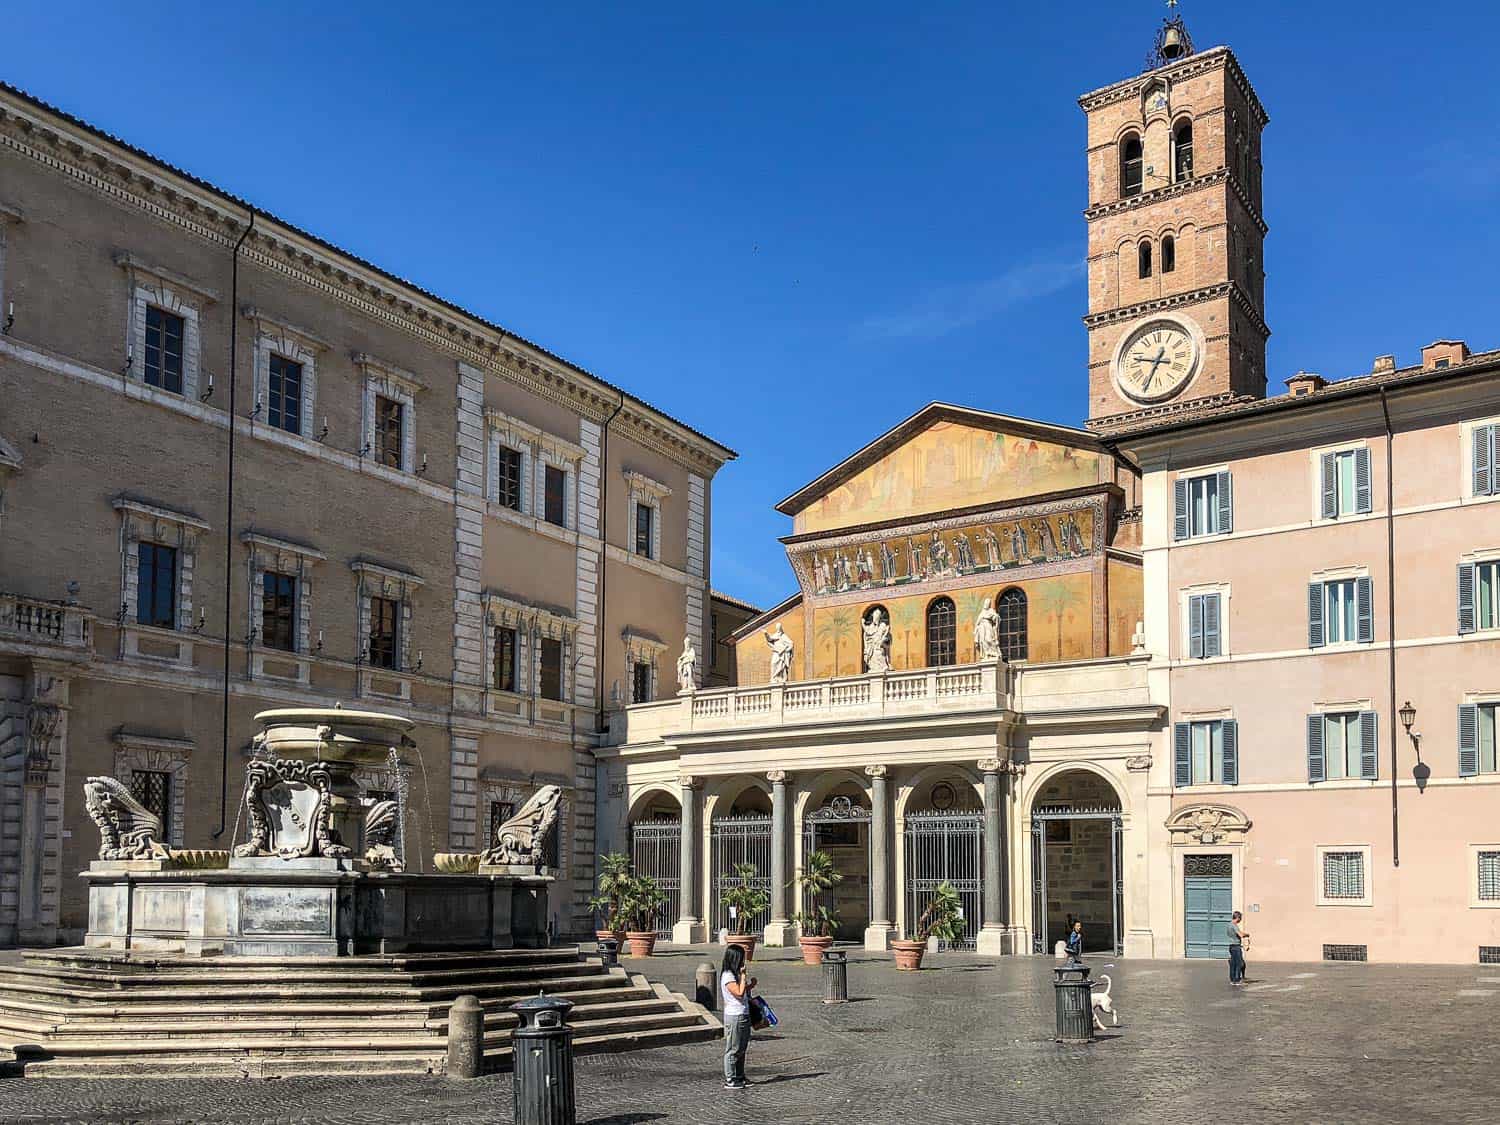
pixel 739 833
pixel 840 826
pixel 942 828
pixel 656 849
pixel 1076 861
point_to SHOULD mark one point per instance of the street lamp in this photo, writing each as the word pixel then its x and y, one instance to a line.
pixel 1408 715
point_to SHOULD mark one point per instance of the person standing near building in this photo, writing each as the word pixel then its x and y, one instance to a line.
pixel 1238 937
pixel 734 1001
pixel 1074 945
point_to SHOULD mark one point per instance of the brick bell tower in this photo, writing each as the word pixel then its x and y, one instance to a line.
pixel 1176 316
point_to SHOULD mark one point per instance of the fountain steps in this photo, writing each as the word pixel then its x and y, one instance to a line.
pixel 223 1016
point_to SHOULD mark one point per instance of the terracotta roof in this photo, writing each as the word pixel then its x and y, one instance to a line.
pixel 756 622
pixel 736 602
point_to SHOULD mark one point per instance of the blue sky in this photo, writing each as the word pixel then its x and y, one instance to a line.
pixel 793 225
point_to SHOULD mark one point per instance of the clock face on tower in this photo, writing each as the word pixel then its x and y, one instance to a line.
pixel 1155 360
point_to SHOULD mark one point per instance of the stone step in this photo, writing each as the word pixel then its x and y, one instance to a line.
pixel 117 961
pixel 85 979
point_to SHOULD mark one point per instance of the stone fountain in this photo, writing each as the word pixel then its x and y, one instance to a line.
pixel 315 877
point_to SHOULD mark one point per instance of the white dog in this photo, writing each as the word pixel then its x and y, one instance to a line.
pixel 1102 1003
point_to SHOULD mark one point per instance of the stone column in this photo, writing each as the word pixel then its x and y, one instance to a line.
pixel 994 935
pixel 690 928
pixel 881 929
pixel 779 930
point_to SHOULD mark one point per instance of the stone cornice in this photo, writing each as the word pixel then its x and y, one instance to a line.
pixel 281 546
pixel 135 264
pixel 370 364
pixel 1230 289
pixel 134 178
pixel 1172 191
pixel 1200 63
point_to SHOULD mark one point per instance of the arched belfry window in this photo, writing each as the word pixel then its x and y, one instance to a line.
pixel 1012 611
pixel 1182 152
pixel 1130 165
pixel 941 633
pixel 1144 259
pixel 869 618
pixel 1168 254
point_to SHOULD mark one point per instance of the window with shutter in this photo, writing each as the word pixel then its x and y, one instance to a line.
pixel 1365 610
pixel 1340 611
pixel 1315 631
pixel 1211 646
pixel 1329 485
pixel 1203 626
pixel 1205 753
pixel 1179 509
pixel 1482 739
pixel 1230 771
pixel 1485 475
pixel 1369 750
pixel 1478 596
pixel 1203 506
pixel 1362 480
pixel 1182 760
pixel 1343 748
pixel 1195 626
pixel 1315 769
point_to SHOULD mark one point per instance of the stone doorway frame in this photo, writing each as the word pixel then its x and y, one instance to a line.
pixel 1041 815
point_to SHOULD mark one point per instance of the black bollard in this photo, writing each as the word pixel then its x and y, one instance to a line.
pixel 707 986
pixel 1075 1003
pixel 835 977
pixel 542 1050
pixel 465 1038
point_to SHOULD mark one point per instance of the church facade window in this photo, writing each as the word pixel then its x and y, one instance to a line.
pixel 941 633
pixel 1131 168
pixel 1143 259
pixel 1012 610
pixel 1182 152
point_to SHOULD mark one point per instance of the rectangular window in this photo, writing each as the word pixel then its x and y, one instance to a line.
pixel 505 659
pixel 1206 753
pixel 1340 611
pixel 164 336
pixel 1487 717
pixel 1204 632
pixel 1477 738
pixel 284 400
pixel 385 617
pixel 508 471
pixel 500 812
pixel 1203 505
pixel 643 517
pixel 1344 875
pixel 551 655
pixel 278 614
pixel 1345 482
pixel 156 586
pixel 153 789
pixel 1486 449
pixel 640 682
pixel 1489 877
pixel 1478 596
pixel 389 421
pixel 556 489
pixel 1342 744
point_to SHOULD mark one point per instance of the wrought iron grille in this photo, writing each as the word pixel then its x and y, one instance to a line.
pixel 735 840
pixel 1207 865
pixel 1489 954
pixel 656 850
pixel 1346 953
pixel 836 824
pixel 153 789
pixel 1489 876
pixel 946 847
pixel 1039 820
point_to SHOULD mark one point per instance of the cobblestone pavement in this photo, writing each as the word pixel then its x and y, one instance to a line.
pixel 966 1040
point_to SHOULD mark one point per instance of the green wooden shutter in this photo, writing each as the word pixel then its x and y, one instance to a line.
pixel 1315 770
pixel 1466 617
pixel 1210 624
pixel 1230 765
pixel 1369 751
pixel 1182 754
pixel 1315 615
pixel 1484 460
pixel 1364 609
pixel 1362 480
pixel 1226 503
pixel 1329 480
pixel 1195 626
pixel 1180 509
pixel 1468 739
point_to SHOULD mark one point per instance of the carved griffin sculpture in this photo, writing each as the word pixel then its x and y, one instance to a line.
pixel 127 829
pixel 381 821
pixel 521 838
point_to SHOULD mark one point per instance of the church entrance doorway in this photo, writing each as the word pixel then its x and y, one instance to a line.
pixel 656 850
pixel 1077 863
pixel 841 827
pixel 743 836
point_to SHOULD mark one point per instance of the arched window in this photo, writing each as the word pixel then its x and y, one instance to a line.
pixel 1168 254
pixel 1012 611
pixel 1182 152
pixel 1144 259
pixel 1130 165
pixel 941 619
pixel 869 616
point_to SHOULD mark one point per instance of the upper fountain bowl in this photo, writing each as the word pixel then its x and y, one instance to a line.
pixel 332 734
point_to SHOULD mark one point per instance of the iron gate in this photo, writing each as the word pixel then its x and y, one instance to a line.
pixel 656 850
pixel 1040 818
pixel 829 824
pixel 735 840
pixel 946 847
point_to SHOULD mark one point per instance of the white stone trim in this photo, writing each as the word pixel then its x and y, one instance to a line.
pixel 1184 629
pixel 1368 899
pixel 7 217
pixel 643 648
pixel 173 293
pixel 463 769
pixel 470 644
pixel 695 596
pixel 165 755
pixel 141 522
pixel 1466 459
pixel 376 580
pixel 644 492
pixel 586 584
pixel 281 556
pixel 278 337
pixel 386 380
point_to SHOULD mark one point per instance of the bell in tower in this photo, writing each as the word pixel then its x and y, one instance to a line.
pixel 1172 41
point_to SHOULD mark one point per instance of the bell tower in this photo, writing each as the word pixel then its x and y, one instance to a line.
pixel 1176 312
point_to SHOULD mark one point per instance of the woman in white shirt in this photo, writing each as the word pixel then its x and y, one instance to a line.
pixel 734 1002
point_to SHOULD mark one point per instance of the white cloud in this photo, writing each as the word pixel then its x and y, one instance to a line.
pixel 951 307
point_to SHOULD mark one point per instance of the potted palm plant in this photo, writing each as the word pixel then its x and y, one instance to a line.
pixel 614 883
pixel 818 925
pixel 943 919
pixel 643 902
pixel 744 901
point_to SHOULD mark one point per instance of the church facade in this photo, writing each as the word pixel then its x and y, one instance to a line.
pixel 1214 651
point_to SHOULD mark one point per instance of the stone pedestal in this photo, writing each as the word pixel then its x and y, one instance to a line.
pixel 879 937
pixel 999 941
pixel 780 933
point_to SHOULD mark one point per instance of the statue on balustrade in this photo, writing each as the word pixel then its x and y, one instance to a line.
pixel 987 633
pixel 781 655
pixel 877 642
pixel 687 667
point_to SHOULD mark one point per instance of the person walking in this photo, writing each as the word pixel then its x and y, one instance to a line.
pixel 1074 944
pixel 734 1002
pixel 1238 938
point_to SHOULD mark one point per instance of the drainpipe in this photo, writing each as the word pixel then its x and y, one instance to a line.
pixel 1390 583
pixel 603 552
pixel 234 323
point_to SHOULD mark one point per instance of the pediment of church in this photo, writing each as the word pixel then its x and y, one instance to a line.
pixel 945 458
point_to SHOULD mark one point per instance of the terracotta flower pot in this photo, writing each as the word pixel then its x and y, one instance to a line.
pixel 812 949
pixel 642 942
pixel 616 936
pixel 909 954
pixel 745 942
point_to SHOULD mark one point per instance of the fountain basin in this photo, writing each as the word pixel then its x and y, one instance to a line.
pixel 333 735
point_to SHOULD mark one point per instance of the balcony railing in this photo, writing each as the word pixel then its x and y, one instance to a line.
pixel 50 624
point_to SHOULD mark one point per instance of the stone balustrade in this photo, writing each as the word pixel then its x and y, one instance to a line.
pixel 43 624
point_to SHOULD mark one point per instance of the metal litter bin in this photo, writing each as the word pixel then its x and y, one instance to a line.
pixel 1075 1003
pixel 835 977
pixel 542 1049
pixel 609 952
